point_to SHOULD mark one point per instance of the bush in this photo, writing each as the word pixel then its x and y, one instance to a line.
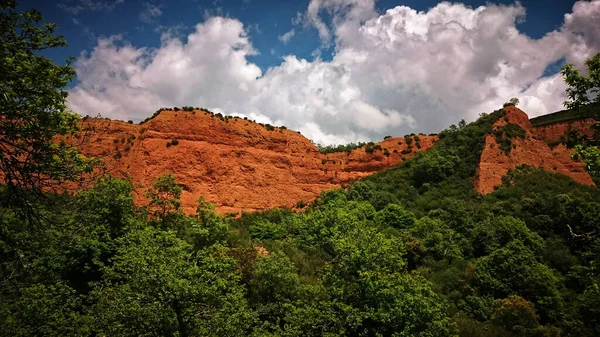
pixel 506 133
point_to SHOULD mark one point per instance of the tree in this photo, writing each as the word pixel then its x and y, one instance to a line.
pixel 591 159
pixel 582 89
pixel 395 216
pixel 159 286
pixel 372 295
pixel 512 102
pixel 514 270
pixel 33 106
pixel 164 197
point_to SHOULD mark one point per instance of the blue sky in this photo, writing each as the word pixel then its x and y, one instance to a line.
pixel 349 71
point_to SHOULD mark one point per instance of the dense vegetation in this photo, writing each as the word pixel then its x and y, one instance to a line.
pixel 410 251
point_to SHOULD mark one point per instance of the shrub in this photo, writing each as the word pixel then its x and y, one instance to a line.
pixel 130 121
pixel 386 152
pixel 323 161
pixel 506 133
pixel 386 137
pixel 340 148
pixel 175 142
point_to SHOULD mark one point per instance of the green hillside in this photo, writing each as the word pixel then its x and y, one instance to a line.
pixel 410 251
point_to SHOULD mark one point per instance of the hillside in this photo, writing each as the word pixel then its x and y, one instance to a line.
pixel 235 163
pixel 527 146
pixel 238 164
pixel 557 126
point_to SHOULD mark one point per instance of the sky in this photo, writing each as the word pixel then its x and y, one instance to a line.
pixel 338 71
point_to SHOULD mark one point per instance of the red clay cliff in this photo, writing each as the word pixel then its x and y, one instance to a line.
pixel 532 150
pixel 240 165
pixel 235 163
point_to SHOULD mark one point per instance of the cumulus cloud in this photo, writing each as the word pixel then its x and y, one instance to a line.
pixel 76 6
pixel 396 72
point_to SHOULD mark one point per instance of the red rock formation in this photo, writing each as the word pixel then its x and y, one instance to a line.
pixel 495 163
pixel 235 163
pixel 553 132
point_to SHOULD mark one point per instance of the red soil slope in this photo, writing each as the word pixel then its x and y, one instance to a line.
pixel 553 132
pixel 533 151
pixel 234 163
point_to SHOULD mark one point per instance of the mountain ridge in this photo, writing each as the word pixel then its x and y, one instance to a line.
pixel 240 165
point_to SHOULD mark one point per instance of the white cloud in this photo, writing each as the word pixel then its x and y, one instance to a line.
pixel 76 6
pixel 392 73
pixel 286 37
pixel 150 12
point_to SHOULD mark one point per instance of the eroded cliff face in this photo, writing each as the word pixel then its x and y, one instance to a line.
pixel 553 132
pixel 235 163
pixel 531 150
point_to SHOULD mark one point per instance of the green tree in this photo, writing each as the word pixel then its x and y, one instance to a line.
pixel 498 231
pixel 373 295
pixel 33 106
pixel 158 285
pixel 439 239
pixel 164 198
pixel 515 313
pixel 514 270
pixel 591 159
pixel 582 89
pixel 395 216
pixel 44 310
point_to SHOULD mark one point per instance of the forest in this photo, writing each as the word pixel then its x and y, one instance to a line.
pixel 412 250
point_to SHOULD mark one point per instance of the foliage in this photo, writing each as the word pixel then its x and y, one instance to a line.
pixel 512 102
pixel 33 106
pixel 590 155
pixel 506 133
pixel 582 89
pixel 164 197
